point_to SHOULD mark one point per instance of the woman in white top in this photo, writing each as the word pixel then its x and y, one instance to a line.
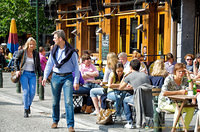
pixel 112 60
pixel 29 61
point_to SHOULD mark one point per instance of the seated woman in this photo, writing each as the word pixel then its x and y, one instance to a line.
pixel 175 84
pixel 96 92
pixel 196 67
pixel 189 62
pixel 158 74
pixel 169 64
pixel 113 83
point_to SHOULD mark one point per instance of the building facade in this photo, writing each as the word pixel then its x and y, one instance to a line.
pixel 155 27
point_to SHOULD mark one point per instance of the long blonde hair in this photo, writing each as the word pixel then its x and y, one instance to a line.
pixel 112 60
pixel 28 42
pixel 159 69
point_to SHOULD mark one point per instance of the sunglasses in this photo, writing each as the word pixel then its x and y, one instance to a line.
pixel 188 59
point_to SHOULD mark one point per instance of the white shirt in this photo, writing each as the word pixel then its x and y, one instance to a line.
pixel 29 65
pixel 126 67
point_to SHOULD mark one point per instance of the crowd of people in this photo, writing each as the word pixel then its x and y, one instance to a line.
pixel 123 80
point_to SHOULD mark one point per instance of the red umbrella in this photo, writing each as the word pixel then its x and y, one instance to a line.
pixel 13 44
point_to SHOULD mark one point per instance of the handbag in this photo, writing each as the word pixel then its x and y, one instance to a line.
pixel 14 77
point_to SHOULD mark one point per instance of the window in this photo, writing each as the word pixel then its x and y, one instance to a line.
pixel 93 38
pixel 133 34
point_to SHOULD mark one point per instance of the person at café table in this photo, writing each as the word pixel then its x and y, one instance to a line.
pixel 175 84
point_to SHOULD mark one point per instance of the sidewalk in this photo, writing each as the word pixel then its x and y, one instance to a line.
pixel 83 122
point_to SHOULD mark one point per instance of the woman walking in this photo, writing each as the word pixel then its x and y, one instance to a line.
pixel 27 64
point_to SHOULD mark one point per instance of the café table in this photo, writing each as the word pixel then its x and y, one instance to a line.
pixel 181 102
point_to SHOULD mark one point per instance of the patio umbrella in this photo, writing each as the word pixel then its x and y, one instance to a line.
pixel 12 44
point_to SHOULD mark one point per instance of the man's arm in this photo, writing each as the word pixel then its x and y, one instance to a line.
pixel 122 85
pixel 76 71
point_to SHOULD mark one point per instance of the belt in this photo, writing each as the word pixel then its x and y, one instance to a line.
pixel 63 74
pixel 30 71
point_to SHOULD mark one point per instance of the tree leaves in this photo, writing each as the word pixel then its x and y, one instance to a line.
pixel 25 17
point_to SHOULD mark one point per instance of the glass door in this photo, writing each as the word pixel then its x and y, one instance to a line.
pixel 128 36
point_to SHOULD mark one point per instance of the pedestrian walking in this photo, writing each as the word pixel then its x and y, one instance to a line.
pixel 2 57
pixel 28 60
pixel 63 60
pixel 43 59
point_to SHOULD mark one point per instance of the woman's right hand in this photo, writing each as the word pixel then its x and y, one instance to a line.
pixel 18 73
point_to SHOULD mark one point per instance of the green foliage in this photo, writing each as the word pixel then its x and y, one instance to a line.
pixel 25 17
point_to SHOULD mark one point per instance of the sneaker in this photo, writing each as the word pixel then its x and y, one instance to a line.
pixel 129 125
pixel 138 126
pixel 118 118
pixel 94 113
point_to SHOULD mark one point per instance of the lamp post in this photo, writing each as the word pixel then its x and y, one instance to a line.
pixel 40 88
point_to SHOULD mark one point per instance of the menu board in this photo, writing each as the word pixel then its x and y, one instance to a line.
pixel 105 46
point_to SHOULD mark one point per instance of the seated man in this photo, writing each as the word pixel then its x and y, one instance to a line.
pixel 123 59
pixel 135 79
pixel 87 101
pixel 88 72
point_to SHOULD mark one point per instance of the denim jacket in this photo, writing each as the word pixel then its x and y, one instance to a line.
pixel 36 58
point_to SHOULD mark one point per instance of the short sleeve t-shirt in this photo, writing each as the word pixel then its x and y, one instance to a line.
pixel 136 79
pixel 189 68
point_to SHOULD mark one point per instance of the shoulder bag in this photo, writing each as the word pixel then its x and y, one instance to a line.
pixel 14 77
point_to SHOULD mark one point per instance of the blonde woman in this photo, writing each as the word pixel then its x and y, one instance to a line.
pixel 112 60
pixel 159 69
pixel 30 65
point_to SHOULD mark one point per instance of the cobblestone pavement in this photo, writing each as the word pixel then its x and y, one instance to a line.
pixel 12 120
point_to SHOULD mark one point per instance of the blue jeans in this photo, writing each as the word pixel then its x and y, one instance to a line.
pixel 92 85
pixel 127 108
pixel 96 92
pixel 118 97
pixel 84 90
pixel 57 83
pixel 28 82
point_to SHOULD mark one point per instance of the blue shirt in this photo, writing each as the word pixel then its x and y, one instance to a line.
pixel 70 66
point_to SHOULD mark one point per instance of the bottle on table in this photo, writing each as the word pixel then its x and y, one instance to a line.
pixel 194 89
